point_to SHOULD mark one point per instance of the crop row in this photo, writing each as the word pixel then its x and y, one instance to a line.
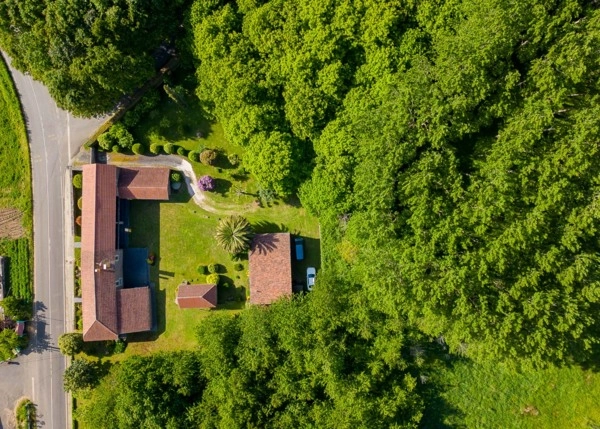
pixel 19 268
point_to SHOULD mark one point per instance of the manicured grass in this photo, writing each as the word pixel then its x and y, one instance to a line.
pixel 15 185
pixel 494 396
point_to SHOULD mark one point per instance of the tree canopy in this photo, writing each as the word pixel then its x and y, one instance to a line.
pixel 457 140
pixel 88 54
pixel 301 363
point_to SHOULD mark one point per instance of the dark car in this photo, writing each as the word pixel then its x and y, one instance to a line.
pixel 299 248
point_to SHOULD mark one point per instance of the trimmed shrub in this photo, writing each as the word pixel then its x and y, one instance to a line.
pixel 78 220
pixel 238 267
pixel 170 148
pixel 206 183
pixel 194 156
pixel 106 141
pixel 120 346
pixel 213 279
pixel 181 151
pixel 234 159
pixel 116 148
pixel 208 157
pixel 155 148
pixel 175 176
pixel 78 181
pixel 213 268
pixel 80 203
pixel 138 149
pixel 201 269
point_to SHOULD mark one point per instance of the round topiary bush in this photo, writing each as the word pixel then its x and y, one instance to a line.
pixel 116 148
pixel 201 269
pixel 208 157
pixel 176 176
pixel 238 267
pixel 206 183
pixel 80 203
pixel 138 149
pixel 155 148
pixel 212 279
pixel 170 148
pixel 78 181
pixel 78 220
pixel 181 151
pixel 194 156
pixel 234 159
pixel 213 268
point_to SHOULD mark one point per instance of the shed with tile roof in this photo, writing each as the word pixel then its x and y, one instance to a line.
pixel 196 296
pixel 144 183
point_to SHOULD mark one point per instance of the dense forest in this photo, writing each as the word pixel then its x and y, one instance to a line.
pixel 450 149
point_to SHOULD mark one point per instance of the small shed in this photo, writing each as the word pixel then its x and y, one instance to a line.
pixel 20 328
pixel 196 296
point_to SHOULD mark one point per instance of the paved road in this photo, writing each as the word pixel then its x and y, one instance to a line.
pixel 54 137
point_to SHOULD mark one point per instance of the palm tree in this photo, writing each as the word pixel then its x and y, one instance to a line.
pixel 234 234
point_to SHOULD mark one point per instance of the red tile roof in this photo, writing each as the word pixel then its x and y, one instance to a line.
pixel 134 310
pixel 144 183
pixel 98 241
pixel 270 267
pixel 196 296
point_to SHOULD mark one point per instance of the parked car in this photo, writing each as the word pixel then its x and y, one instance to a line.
pixel 299 248
pixel 311 273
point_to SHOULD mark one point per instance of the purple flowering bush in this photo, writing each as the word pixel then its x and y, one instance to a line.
pixel 206 183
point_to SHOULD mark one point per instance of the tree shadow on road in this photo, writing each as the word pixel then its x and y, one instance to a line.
pixel 39 338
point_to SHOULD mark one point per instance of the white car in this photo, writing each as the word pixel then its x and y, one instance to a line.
pixel 311 273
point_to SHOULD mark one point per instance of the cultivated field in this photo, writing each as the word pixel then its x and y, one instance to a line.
pixel 11 224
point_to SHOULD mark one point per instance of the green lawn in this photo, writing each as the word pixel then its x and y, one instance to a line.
pixel 493 396
pixel 15 188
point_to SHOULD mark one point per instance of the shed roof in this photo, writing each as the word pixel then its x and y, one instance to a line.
pixel 270 267
pixel 196 296
pixel 144 183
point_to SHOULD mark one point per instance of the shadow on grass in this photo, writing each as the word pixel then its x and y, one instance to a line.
pixel 230 296
pixel 173 122
pixel 222 186
pixel 265 227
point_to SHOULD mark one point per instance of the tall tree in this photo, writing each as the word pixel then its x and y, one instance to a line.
pixel 88 53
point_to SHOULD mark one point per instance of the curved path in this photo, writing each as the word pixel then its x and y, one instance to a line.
pixel 177 163
pixel 54 137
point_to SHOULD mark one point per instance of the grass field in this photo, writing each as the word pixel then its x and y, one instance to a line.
pixel 494 396
pixel 15 188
